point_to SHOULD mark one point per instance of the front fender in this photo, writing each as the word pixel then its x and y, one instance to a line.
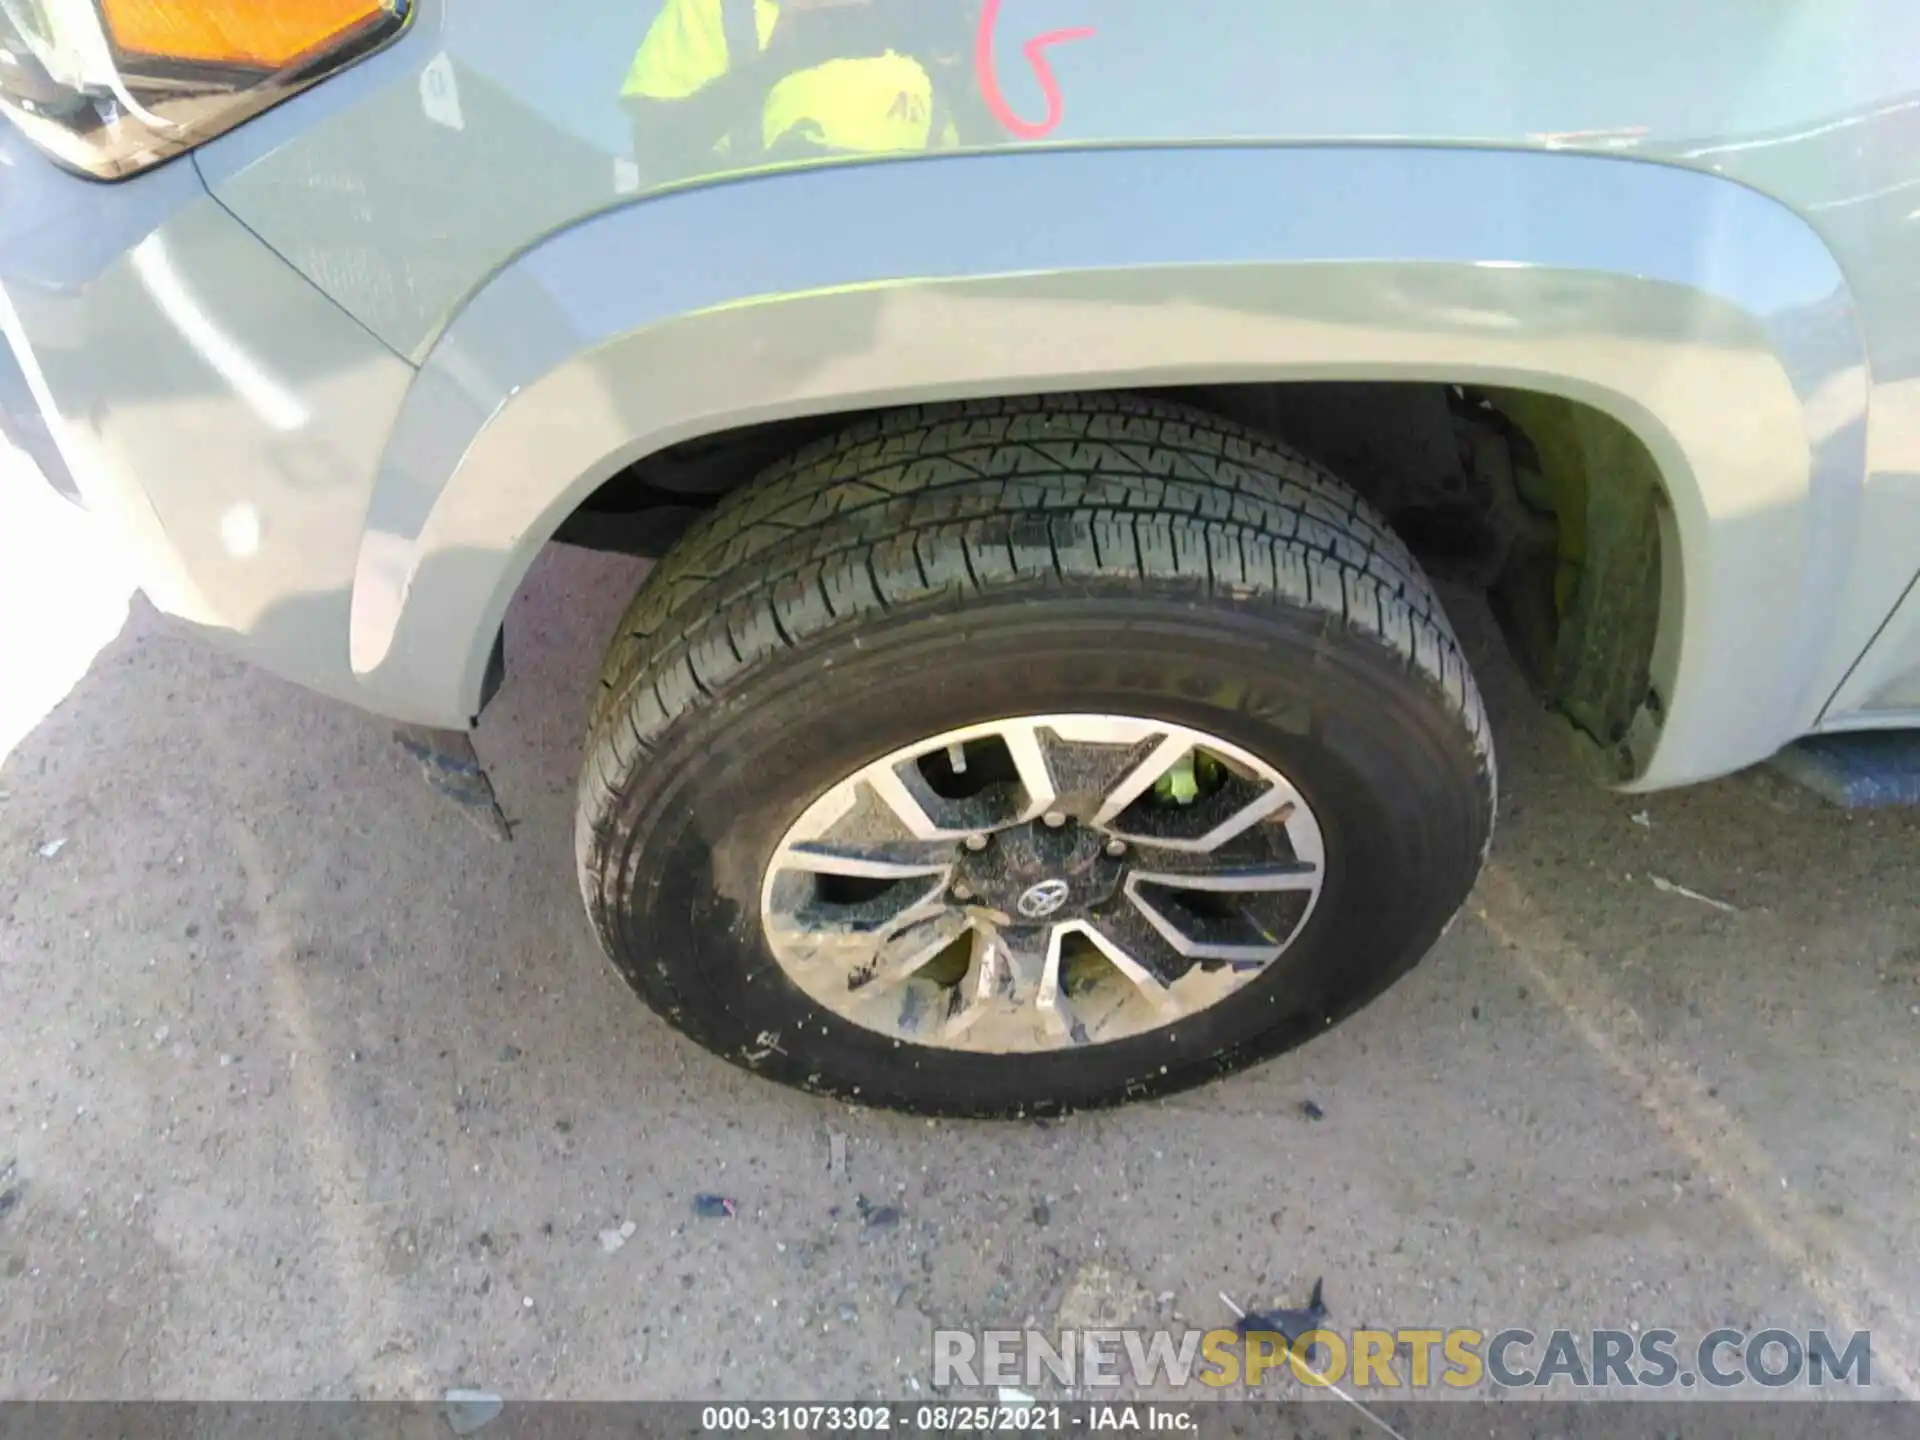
pixel 1705 317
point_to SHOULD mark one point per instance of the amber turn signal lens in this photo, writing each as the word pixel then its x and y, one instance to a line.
pixel 267 34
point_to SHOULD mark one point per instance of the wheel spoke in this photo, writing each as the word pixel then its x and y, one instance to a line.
pixel 1137 781
pixel 1137 949
pixel 870 860
pixel 908 948
pixel 894 988
pixel 1236 879
pixel 1225 907
pixel 971 999
pixel 1001 797
pixel 1223 933
pixel 1030 761
pixel 1073 768
pixel 1303 836
pixel 1245 799
pixel 891 789
pixel 824 923
pixel 1275 798
pixel 1140 955
pixel 1012 986
pixel 1050 998
pixel 853 936
pixel 1011 995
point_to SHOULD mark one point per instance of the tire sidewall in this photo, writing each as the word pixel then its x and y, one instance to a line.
pixel 1402 795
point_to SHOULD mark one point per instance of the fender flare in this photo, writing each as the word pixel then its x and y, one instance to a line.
pixel 1704 316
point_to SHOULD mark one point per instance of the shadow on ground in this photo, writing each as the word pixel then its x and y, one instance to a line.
pixel 310 1089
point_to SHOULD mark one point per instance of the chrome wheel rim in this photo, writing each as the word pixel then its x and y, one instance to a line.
pixel 1043 883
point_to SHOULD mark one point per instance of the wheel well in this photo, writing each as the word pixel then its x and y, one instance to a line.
pixel 1550 506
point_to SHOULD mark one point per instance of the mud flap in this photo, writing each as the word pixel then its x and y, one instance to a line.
pixel 453 771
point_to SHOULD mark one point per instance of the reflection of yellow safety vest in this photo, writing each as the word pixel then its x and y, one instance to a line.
pixel 869 105
pixel 686 47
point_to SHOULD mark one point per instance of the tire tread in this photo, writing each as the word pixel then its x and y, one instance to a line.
pixel 931 503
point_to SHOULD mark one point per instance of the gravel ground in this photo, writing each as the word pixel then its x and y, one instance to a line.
pixel 309 1089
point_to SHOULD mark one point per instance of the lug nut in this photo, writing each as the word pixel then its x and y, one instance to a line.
pixel 976 842
pixel 1116 848
pixel 1054 819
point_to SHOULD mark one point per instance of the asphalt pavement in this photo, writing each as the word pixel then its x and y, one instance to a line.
pixel 308 1088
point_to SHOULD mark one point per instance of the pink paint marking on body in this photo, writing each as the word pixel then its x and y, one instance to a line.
pixel 1035 51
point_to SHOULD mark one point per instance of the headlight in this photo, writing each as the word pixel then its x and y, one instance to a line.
pixel 112 87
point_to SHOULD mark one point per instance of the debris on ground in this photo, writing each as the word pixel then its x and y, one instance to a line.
pixel 612 1240
pixel 1007 1395
pixel 1643 819
pixel 1289 1325
pixel 1283 1323
pixel 878 1217
pixel 470 1410
pixel 714 1207
pixel 1667 887
pixel 453 771
pixel 1312 1111
pixel 836 1155
pixel 53 848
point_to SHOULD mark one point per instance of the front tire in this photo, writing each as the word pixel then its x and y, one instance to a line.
pixel 944 571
